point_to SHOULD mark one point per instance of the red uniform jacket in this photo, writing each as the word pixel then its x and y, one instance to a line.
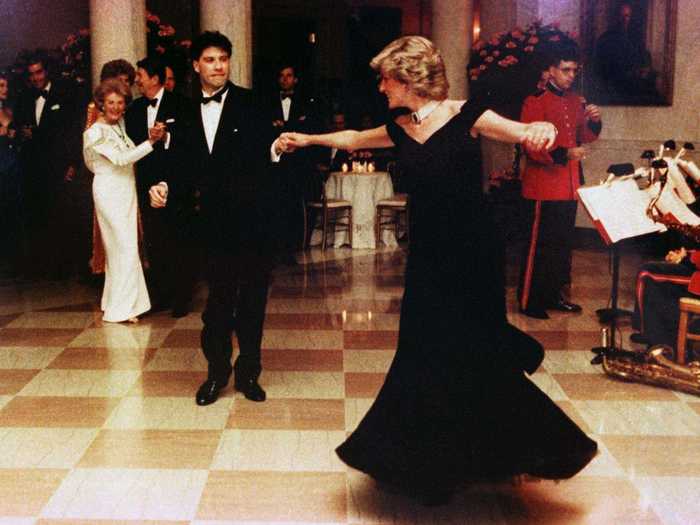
pixel 549 175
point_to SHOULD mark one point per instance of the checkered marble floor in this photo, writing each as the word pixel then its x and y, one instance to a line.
pixel 98 423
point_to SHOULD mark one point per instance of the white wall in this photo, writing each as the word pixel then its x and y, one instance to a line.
pixel 627 131
pixel 38 23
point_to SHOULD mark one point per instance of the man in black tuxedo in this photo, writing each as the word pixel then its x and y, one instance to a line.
pixel 50 133
pixel 168 235
pixel 226 170
pixel 291 111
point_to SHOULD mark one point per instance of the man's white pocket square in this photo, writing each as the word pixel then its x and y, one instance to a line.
pixel 55 107
pixel 170 121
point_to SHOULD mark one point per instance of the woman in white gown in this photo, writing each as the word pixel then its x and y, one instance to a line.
pixel 110 154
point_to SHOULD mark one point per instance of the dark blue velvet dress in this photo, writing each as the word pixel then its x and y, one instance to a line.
pixel 456 404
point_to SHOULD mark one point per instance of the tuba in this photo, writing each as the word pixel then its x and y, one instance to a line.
pixel 654 366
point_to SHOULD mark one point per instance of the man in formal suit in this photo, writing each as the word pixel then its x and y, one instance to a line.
pixel 50 131
pixel 226 170
pixel 170 80
pixel 292 111
pixel 167 232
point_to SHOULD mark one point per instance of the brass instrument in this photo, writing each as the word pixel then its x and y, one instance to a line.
pixel 654 366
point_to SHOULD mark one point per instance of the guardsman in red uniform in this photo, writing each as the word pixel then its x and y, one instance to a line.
pixel 550 181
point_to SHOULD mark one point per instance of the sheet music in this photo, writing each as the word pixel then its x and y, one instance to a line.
pixel 620 206
pixel 690 168
pixel 670 203
pixel 677 179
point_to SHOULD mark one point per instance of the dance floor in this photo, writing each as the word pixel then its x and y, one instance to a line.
pixel 98 423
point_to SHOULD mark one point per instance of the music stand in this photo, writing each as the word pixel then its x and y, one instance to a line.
pixel 610 315
pixel 618 213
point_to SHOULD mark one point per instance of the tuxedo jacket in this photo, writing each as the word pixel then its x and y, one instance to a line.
pixel 232 187
pixel 302 114
pixel 56 140
pixel 299 168
pixel 154 167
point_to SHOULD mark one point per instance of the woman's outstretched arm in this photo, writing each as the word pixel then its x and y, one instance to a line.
pixel 535 135
pixel 347 139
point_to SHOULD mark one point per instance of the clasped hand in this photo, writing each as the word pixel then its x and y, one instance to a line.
pixel 592 112
pixel 676 256
pixel 539 136
pixel 158 195
pixel 288 142
pixel 157 132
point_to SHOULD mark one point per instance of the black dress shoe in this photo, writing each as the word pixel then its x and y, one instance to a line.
pixel 563 305
pixel 250 389
pixel 535 313
pixel 209 391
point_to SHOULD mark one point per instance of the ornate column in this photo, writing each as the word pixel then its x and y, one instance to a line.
pixel 233 18
pixel 452 33
pixel 117 30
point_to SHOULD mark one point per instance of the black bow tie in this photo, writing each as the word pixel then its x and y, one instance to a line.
pixel 215 97
pixel 286 94
pixel 41 93
pixel 152 102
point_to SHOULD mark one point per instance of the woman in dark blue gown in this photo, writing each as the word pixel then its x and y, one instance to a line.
pixel 456 404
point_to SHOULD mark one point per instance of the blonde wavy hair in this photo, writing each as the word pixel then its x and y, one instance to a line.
pixel 416 62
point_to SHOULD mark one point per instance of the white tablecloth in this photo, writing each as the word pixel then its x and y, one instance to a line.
pixel 363 190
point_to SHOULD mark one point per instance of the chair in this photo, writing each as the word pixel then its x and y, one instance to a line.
pixel 390 211
pixel 688 307
pixel 333 211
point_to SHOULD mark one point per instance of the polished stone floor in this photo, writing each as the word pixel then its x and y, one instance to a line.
pixel 98 423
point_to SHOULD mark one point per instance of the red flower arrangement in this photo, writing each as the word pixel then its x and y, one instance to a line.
pixel 75 56
pixel 509 66
pixel 505 70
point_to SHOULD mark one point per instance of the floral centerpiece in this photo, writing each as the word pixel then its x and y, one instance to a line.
pixel 505 69
pixel 75 56
pixel 511 64
pixel 160 40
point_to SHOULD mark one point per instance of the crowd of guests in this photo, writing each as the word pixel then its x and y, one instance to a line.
pixel 224 175
pixel 53 227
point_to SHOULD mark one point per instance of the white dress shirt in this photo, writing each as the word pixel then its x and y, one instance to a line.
pixel 152 111
pixel 211 115
pixel 286 105
pixel 39 104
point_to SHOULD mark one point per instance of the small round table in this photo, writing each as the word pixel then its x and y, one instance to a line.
pixel 363 190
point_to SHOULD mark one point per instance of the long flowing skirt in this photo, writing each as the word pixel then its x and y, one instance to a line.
pixel 125 294
pixel 456 404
